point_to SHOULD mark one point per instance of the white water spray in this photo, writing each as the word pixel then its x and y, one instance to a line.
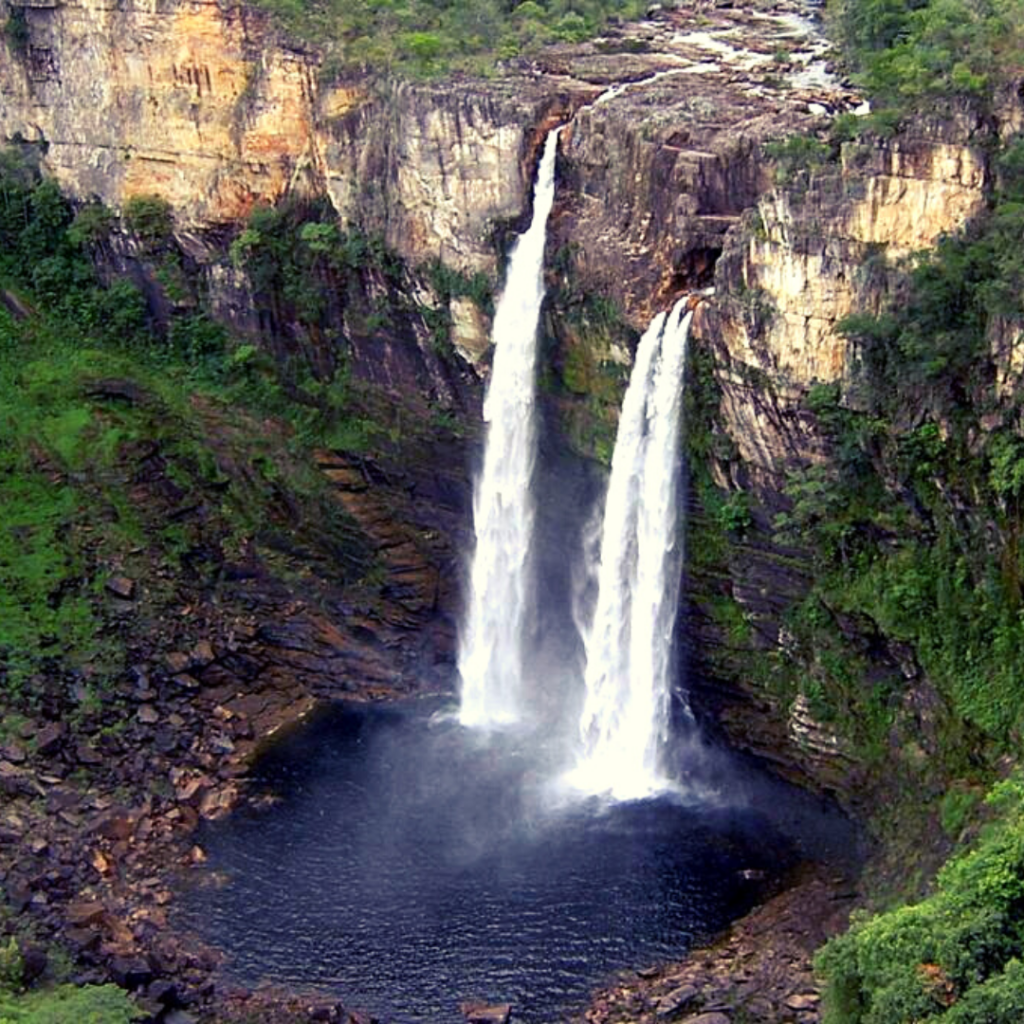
pixel 493 634
pixel 625 716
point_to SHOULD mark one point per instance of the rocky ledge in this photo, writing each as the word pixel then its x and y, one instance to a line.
pixel 657 173
pixel 98 816
pixel 760 972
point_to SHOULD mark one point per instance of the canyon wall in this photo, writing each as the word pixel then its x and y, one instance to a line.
pixel 207 105
pixel 666 187
pixel 825 242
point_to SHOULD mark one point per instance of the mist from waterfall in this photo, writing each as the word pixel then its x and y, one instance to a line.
pixel 625 718
pixel 493 634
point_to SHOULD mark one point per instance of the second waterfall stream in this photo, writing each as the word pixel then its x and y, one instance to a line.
pixel 625 717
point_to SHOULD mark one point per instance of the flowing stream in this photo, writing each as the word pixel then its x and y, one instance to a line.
pixel 625 717
pixel 494 631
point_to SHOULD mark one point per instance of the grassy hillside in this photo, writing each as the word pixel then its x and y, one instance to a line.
pixel 132 447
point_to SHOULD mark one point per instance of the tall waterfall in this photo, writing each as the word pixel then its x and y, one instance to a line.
pixel 625 715
pixel 492 637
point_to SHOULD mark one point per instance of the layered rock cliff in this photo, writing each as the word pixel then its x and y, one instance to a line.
pixel 207 105
pixel 826 241
pixel 665 186
pixel 197 102
pixel 807 252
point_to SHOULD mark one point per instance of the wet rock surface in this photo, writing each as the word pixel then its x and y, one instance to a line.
pixel 482 1013
pixel 760 971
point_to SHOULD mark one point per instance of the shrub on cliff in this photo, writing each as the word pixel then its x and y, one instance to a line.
pixel 66 1004
pixel 794 154
pixel 954 957
pixel 904 53
pixel 150 218
pixel 16 31
pixel 294 255
pixel 44 247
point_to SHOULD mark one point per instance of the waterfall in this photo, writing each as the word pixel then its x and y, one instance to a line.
pixel 490 656
pixel 625 715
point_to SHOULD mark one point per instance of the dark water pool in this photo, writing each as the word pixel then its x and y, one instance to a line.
pixel 405 865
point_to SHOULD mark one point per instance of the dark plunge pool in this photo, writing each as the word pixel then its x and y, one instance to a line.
pixel 405 865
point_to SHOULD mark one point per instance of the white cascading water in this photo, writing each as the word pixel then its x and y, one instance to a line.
pixel 491 644
pixel 625 715
pixel 614 565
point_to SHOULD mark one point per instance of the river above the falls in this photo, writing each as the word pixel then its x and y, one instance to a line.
pixel 404 864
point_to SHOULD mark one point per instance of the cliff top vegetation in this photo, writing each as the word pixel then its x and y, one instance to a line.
pixel 429 37
pixel 903 52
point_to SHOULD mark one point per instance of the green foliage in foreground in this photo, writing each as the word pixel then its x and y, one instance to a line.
pixel 66 1004
pixel 434 36
pixel 955 957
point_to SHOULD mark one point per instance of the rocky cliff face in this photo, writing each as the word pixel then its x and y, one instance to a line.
pixel 436 169
pixel 664 186
pixel 197 102
pixel 807 254
pixel 820 245
pixel 812 252
pixel 206 105
pixel 656 174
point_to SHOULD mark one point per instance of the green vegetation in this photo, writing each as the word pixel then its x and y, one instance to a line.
pixel 914 524
pixel 308 273
pixel 450 284
pixel 38 252
pixel 887 517
pixel 796 153
pixel 589 379
pixel 126 444
pixel 956 808
pixel 956 956
pixel 148 217
pixel 77 420
pixel 429 37
pixel 66 1004
pixel 734 515
pixel 57 1004
pixel 907 53
pixel 295 256
pixel 16 30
